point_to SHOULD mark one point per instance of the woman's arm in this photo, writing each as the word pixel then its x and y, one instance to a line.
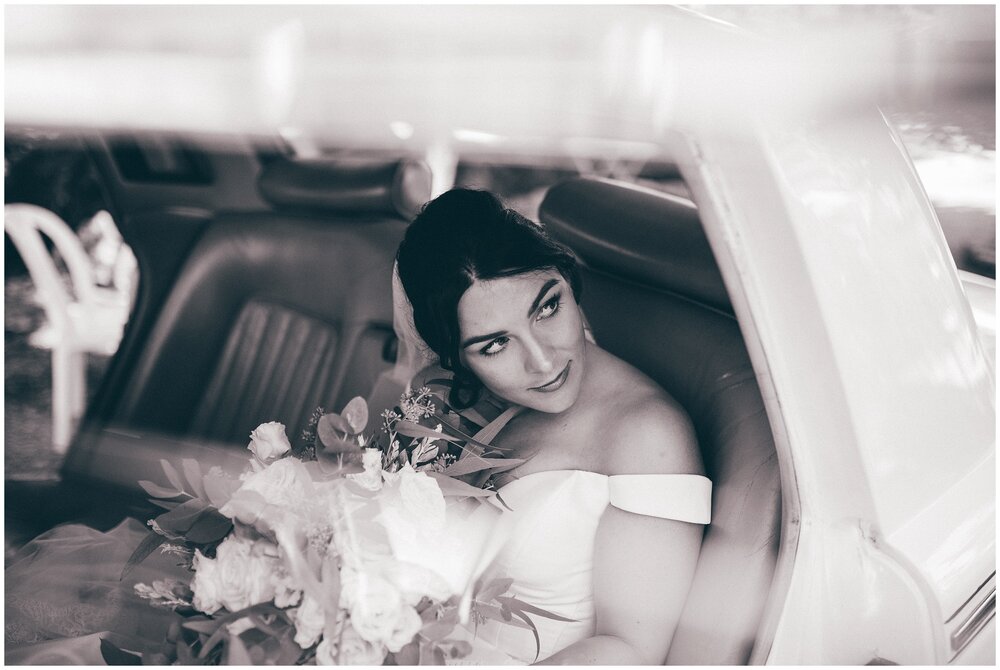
pixel 643 565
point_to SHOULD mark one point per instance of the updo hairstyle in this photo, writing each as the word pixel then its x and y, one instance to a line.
pixel 459 237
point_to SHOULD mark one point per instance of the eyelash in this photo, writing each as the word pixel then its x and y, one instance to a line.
pixel 554 304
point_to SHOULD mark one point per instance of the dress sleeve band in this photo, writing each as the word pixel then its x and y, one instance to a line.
pixel 682 497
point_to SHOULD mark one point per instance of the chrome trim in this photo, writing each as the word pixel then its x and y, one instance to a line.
pixel 968 600
pixel 979 617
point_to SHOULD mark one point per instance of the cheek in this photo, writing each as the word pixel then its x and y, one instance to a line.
pixel 496 374
pixel 569 332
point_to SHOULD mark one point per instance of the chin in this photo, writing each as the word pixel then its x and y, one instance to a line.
pixel 553 406
pixel 555 403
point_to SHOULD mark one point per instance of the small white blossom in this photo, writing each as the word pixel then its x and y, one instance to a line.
pixel 309 621
pixel 371 478
pixel 162 593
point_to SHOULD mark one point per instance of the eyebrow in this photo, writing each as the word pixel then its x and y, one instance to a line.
pixel 534 305
pixel 541 294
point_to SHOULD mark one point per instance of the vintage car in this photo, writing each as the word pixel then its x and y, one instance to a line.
pixel 770 258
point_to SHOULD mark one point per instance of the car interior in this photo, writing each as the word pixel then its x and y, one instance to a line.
pixel 265 292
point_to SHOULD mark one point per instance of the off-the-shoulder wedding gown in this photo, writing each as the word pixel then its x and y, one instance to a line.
pixel 550 552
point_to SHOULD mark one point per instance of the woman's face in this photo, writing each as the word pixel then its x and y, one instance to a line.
pixel 522 336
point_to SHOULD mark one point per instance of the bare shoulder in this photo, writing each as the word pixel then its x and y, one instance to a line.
pixel 649 432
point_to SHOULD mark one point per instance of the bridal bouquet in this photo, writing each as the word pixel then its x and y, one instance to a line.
pixel 352 549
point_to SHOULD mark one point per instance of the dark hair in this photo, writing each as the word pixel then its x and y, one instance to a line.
pixel 459 237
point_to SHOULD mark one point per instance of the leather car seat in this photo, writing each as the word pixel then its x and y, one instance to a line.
pixel 274 312
pixel 655 298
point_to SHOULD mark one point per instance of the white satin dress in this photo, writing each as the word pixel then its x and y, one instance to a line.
pixel 550 553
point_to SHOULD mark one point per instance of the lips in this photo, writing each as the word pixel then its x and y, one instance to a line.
pixel 556 383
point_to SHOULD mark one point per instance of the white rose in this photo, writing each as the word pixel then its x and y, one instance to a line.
pixel 244 573
pixel 309 622
pixel 285 483
pixel 355 650
pixel 205 584
pixel 371 478
pixel 326 653
pixel 419 500
pixel 286 591
pixel 407 625
pixel 375 606
pixel 268 441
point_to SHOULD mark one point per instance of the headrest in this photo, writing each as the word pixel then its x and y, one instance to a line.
pixel 395 188
pixel 637 233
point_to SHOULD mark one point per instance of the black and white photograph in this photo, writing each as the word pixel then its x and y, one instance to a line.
pixel 508 334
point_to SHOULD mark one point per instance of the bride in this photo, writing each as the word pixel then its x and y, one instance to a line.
pixel 608 505
pixel 610 501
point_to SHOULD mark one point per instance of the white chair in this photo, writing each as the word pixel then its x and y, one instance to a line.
pixel 90 319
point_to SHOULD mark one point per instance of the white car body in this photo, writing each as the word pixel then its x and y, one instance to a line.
pixel 880 387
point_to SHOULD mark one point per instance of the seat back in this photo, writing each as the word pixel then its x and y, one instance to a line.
pixel 277 312
pixel 655 298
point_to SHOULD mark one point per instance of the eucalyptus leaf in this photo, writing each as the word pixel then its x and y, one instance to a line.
pixel 338 445
pixel 192 471
pixel 114 656
pixel 437 630
pixel 534 631
pixel 431 654
pixel 221 633
pixel 410 429
pixel 355 414
pixel 290 651
pixel 470 440
pixel 409 654
pixel 503 502
pixel 258 622
pixel 145 548
pixel 425 454
pixel 205 626
pixel 477 463
pixel 182 517
pixel 473 417
pixel 329 426
pixel 185 656
pixel 521 606
pixel 493 612
pixel 210 527
pixel 440 381
pixel 172 475
pixel 158 491
pixel 494 588
pixel 460 649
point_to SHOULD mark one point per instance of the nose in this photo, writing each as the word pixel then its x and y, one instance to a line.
pixel 540 357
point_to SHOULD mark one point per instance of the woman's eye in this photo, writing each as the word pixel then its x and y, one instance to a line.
pixel 551 307
pixel 494 347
